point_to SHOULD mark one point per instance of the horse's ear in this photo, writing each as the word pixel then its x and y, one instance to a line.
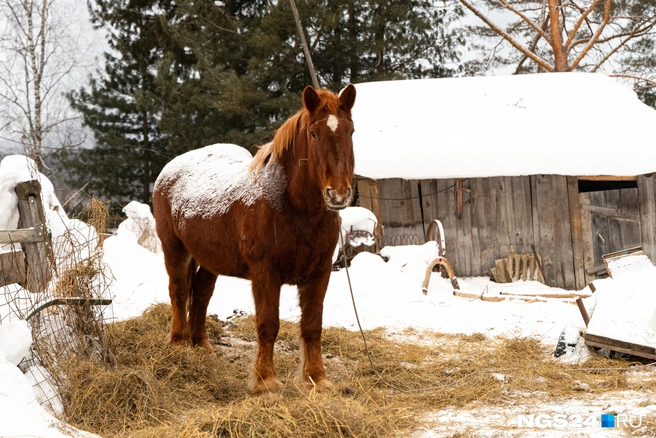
pixel 311 98
pixel 347 96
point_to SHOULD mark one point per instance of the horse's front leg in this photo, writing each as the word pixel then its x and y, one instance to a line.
pixel 266 294
pixel 311 296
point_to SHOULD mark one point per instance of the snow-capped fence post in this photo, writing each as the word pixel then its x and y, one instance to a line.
pixel 32 270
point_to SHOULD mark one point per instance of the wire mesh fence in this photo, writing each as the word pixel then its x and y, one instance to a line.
pixel 67 315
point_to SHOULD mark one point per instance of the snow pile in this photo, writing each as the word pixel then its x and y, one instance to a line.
pixel 15 341
pixel 74 245
pixel 625 308
pixel 354 219
pixel 72 239
pixel 358 219
pixel 20 412
pixel 18 168
pixel 140 226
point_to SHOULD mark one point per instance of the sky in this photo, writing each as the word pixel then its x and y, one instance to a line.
pixel 387 294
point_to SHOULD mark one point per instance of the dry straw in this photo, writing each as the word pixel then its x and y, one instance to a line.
pixel 161 391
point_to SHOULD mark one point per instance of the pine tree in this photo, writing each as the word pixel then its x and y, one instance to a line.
pixel 184 74
pixel 358 41
pixel 121 107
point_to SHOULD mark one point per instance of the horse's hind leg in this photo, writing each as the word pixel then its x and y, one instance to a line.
pixel 180 267
pixel 202 290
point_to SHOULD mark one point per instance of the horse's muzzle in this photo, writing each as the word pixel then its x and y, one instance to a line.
pixel 337 199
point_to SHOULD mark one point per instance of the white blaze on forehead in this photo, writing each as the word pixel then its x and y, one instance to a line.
pixel 332 122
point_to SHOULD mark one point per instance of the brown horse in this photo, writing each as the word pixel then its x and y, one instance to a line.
pixel 272 219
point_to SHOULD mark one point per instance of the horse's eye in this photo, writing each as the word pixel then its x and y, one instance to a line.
pixel 352 132
pixel 313 134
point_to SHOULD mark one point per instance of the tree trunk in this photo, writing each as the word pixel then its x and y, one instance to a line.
pixel 560 55
pixel 37 67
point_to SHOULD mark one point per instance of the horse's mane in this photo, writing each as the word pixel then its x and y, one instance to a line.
pixel 286 134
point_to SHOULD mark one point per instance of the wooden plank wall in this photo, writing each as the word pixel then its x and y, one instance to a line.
pixel 552 229
pixel 496 218
pixel 399 207
pixel 498 214
pixel 501 213
pixel 647 201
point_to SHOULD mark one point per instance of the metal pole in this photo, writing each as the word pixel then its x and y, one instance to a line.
pixel 306 49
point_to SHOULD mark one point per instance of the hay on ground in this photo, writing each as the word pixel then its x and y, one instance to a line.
pixel 157 390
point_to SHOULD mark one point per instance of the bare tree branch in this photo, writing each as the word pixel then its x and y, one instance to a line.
pixel 534 43
pixel 527 20
pixel 628 38
pixel 579 22
pixel 637 78
pixel 596 36
pixel 535 58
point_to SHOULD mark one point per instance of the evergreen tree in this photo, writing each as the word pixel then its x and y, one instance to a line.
pixel 357 41
pixel 250 70
pixel 122 107
pixel 184 74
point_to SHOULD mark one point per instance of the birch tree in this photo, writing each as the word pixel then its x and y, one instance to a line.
pixel 39 51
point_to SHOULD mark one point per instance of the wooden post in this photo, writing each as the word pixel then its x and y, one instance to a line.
pixel 306 49
pixel 38 255
pixel 375 204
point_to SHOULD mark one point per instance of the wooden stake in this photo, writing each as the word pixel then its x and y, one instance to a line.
pixel 306 49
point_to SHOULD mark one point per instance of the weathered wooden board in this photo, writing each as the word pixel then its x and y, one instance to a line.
pixel 23 236
pixel 586 231
pixel 577 231
pixel 620 346
pixel 543 223
pixel 563 250
pixel 647 207
pixel 399 207
pixel 37 255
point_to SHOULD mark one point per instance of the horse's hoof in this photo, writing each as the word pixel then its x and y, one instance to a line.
pixel 178 340
pixel 271 384
pixel 319 385
pixel 205 345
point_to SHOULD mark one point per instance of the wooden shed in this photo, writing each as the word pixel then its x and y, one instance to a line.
pixel 559 162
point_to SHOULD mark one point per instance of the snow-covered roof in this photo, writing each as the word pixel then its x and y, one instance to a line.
pixel 549 123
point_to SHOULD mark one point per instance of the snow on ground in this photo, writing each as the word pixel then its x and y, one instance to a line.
pixel 388 294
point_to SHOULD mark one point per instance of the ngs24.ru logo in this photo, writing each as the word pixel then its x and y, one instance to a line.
pixel 562 421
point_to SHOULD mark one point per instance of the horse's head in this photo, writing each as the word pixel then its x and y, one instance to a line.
pixel 330 146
